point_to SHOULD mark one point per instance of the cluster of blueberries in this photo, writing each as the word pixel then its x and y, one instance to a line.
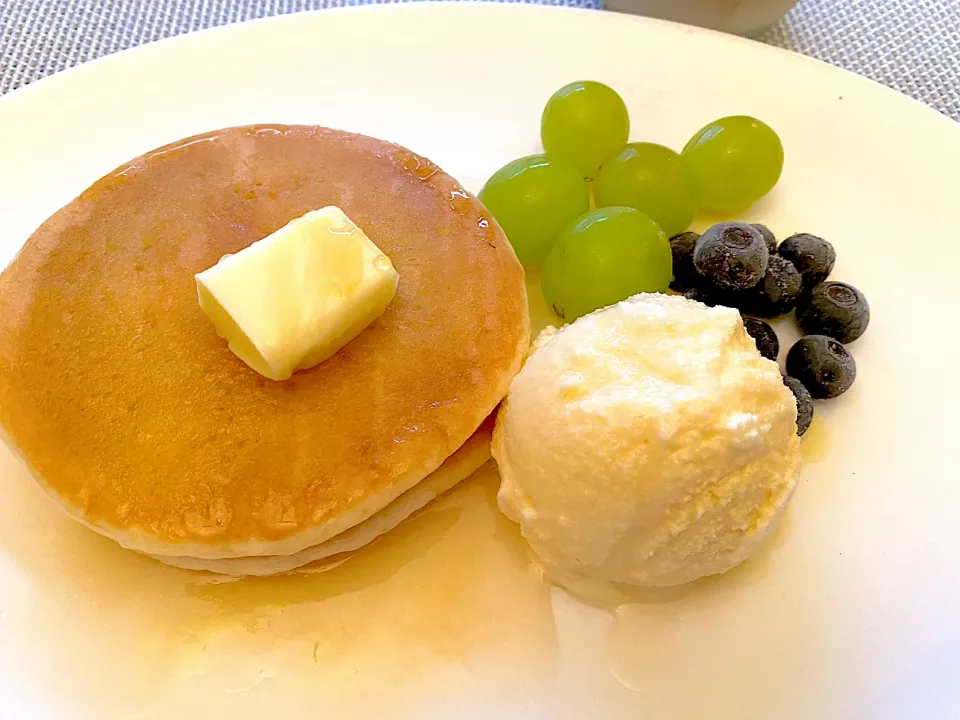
pixel 741 265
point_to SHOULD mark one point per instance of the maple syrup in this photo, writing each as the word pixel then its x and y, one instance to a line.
pixel 447 601
pixel 815 443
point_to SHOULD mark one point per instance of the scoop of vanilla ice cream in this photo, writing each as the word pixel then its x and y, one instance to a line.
pixel 647 444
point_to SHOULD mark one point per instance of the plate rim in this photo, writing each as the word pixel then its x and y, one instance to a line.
pixel 50 82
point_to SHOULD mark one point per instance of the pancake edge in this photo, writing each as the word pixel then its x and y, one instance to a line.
pixel 473 455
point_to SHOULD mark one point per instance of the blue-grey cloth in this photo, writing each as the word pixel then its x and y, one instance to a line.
pixel 911 45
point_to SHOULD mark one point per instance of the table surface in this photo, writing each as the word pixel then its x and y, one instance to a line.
pixel 910 45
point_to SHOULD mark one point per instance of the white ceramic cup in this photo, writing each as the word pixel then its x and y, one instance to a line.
pixel 734 16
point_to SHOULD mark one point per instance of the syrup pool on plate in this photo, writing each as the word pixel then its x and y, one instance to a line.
pixel 446 603
pixel 815 443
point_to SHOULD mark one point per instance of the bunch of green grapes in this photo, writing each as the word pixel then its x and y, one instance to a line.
pixel 644 193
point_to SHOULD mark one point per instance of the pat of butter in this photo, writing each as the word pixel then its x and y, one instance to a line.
pixel 292 299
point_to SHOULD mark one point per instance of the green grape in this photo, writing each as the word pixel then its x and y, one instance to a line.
pixel 534 199
pixel 583 123
pixel 605 257
pixel 652 179
pixel 736 161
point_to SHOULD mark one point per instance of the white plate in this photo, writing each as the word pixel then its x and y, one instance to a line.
pixel 854 614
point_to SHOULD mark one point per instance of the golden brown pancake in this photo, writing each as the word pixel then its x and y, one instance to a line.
pixel 134 414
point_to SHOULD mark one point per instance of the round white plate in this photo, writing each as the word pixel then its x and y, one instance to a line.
pixel 853 613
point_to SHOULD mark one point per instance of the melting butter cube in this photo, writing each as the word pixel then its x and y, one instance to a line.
pixel 292 299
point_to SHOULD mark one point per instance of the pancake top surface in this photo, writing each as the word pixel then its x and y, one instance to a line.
pixel 118 392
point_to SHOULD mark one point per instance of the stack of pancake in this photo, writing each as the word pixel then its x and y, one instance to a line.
pixel 136 417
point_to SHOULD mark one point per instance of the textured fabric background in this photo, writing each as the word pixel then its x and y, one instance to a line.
pixel 910 45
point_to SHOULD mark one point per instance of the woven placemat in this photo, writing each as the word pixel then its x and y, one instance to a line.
pixel 910 45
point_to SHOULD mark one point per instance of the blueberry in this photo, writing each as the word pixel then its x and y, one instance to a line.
pixel 684 274
pixel 768 237
pixel 778 290
pixel 823 365
pixel 765 337
pixel 710 295
pixel 813 256
pixel 731 255
pixel 835 309
pixel 804 403
pixel 700 294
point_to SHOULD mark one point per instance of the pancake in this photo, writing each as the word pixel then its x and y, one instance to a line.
pixel 137 418
pixel 459 466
